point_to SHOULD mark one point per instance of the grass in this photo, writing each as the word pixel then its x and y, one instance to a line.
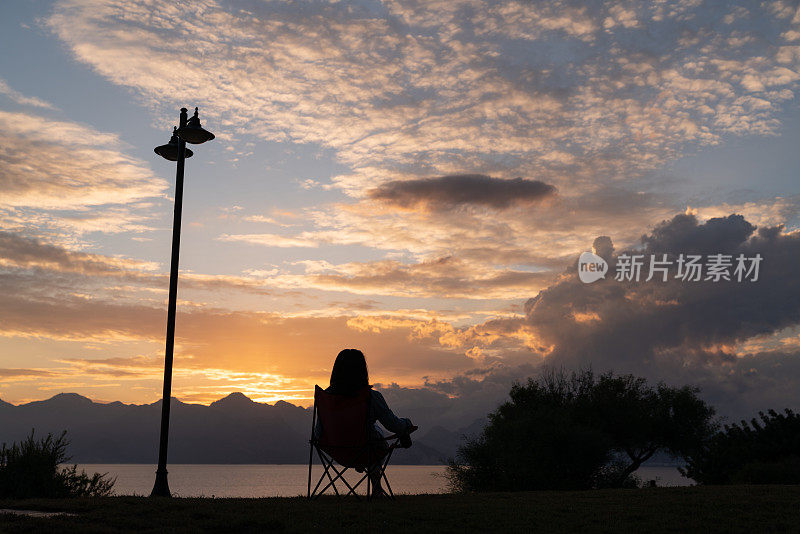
pixel 694 509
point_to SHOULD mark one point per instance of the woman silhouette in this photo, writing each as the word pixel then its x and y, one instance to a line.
pixel 349 376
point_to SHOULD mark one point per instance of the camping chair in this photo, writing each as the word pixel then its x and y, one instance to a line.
pixel 346 440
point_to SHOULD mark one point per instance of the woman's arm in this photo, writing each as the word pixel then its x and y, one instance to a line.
pixel 388 419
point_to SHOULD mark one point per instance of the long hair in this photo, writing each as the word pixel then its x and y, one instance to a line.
pixel 349 373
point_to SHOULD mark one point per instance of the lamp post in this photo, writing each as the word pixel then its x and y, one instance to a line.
pixel 188 131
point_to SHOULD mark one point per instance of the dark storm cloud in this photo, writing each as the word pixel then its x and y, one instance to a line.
pixel 681 331
pixel 682 234
pixel 638 321
pixel 462 189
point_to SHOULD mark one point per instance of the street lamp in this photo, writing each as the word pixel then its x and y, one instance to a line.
pixel 188 131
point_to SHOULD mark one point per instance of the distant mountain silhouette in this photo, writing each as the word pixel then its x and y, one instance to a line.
pixel 234 429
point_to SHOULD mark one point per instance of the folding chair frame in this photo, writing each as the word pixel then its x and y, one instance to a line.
pixel 329 464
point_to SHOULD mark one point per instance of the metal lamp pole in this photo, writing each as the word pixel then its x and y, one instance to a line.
pixel 189 130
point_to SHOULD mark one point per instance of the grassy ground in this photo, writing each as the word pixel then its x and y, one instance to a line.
pixel 696 509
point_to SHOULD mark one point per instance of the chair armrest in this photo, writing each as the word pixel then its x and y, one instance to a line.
pixel 398 436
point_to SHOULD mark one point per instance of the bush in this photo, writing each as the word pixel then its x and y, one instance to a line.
pixel 614 475
pixel 538 440
pixel 510 455
pixel 580 431
pixel 783 471
pixel 31 469
pixel 764 451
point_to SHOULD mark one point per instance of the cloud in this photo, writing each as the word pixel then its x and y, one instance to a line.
pixel 64 180
pixel 21 99
pixel 445 278
pixel 539 237
pixel 270 240
pixel 23 373
pixel 438 88
pixel 30 266
pixel 232 346
pixel 695 323
pixel 579 96
pixel 27 253
pixel 60 165
pixel 447 192
pixel 461 253
pixel 762 213
pixel 78 302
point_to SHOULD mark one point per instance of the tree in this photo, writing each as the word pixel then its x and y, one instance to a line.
pixel 539 439
pixel 32 468
pixel 641 420
pixel 580 431
pixel 764 451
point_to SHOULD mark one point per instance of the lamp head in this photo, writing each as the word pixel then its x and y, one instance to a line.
pixel 192 132
pixel 170 150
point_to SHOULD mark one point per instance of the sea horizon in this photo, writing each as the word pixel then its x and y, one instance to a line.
pixel 290 480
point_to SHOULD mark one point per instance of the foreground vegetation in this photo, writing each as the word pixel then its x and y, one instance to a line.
pixel 581 430
pixel 692 509
pixel 33 468
pixel 762 451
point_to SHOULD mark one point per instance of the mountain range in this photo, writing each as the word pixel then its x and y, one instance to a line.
pixel 232 430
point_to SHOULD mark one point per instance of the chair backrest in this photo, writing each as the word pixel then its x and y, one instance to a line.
pixel 344 424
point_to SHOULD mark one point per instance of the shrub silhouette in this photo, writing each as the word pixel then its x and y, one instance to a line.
pixel 580 431
pixel 32 468
pixel 764 451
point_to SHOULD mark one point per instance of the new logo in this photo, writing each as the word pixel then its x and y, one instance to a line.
pixel 591 267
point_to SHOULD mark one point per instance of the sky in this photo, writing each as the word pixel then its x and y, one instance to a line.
pixel 413 178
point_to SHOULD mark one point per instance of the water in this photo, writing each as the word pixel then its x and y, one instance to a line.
pixel 189 480
pixel 664 476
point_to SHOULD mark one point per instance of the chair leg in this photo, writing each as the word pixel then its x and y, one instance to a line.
pixel 310 461
pixel 388 486
pixel 357 484
pixel 383 472
pixel 311 448
pixel 327 464
pixel 321 478
pixel 332 483
pixel 339 476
